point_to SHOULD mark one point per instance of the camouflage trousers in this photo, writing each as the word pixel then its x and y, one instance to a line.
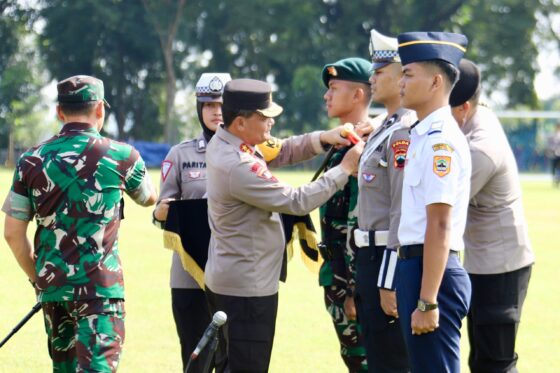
pixel 348 331
pixel 85 336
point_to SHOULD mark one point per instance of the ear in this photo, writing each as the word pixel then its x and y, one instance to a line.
pixel 60 114
pixel 238 124
pixel 438 81
pixel 99 110
pixel 359 94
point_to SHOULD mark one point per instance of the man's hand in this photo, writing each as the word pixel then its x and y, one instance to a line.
pixel 424 322
pixel 364 128
pixel 333 137
pixel 351 159
pixel 388 299
pixel 350 308
pixel 162 209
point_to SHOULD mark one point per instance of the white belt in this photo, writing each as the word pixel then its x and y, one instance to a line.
pixel 361 238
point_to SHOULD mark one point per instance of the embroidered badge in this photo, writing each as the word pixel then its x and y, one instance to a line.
pixel 400 147
pixel 442 165
pixel 445 147
pixel 165 168
pixel 263 172
pixel 245 148
pixel 194 174
pixel 368 178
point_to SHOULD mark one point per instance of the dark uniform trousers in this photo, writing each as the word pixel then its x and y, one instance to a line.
pixel 248 333
pixel 384 342
pixel 494 318
pixel 192 316
pixel 439 350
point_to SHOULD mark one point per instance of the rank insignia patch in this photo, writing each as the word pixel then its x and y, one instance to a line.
pixel 445 147
pixel 400 147
pixel 245 148
pixel 368 178
pixel 442 165
pixel 165 168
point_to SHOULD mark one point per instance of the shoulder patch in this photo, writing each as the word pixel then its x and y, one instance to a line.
pixel 399 147
pixel 442 165
pixel 442 146
pixel 263 172
pixel 165 168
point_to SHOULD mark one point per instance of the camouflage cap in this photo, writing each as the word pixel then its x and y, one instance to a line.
pixel 81 88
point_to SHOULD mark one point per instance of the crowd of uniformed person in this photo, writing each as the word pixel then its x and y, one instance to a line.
pixel 421 215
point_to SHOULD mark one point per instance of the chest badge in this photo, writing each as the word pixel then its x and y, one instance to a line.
pixel 368 178
pixel 194 174
pixel 165 168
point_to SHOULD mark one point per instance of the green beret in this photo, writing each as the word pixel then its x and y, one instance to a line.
pixel 353 69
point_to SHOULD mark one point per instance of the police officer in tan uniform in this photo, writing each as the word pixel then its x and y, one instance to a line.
pixel 498 254
pixel 380 178
pixel 244 199
pixel 183 176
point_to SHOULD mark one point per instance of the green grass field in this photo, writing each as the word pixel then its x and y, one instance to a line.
pixel 305 339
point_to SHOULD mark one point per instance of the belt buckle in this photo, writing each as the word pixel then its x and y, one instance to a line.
pixel 361 238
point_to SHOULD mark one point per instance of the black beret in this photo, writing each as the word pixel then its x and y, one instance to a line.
pixel 468 83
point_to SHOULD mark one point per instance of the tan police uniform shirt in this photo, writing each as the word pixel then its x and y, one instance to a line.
pixel 183 176
pixel 381 175
pixel 244 202
pixel 496 239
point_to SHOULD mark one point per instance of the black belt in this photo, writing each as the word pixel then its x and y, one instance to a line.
pixel 413 251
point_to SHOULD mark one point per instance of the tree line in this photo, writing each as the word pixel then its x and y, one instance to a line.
pixel 147 50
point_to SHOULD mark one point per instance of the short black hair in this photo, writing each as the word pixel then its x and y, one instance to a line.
pixel 77 108
pixel 230 115
pixel 449 71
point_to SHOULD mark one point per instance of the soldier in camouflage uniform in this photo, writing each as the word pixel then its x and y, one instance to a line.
pixel 73 185
pixel 348 98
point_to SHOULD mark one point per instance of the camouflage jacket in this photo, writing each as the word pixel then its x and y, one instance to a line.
pixel 339 213
pixel 72 184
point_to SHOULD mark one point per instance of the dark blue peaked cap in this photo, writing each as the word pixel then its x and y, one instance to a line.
pixel 431 45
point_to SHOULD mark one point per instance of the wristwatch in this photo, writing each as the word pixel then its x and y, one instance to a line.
pixel 425 307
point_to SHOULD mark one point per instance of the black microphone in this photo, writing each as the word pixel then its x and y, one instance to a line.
pixel 218 320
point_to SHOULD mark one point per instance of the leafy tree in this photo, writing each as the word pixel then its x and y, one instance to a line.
pixel 166 16
pixel 276 39
pixel 111 40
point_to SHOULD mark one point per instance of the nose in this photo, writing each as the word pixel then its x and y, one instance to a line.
pixel 401 82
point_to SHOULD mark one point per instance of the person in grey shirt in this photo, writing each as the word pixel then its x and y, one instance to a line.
pixel 244 202
pixel 498 254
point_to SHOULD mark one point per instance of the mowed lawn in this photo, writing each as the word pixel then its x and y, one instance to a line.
pixel 305 339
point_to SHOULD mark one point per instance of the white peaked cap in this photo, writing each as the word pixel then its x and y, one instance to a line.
pixel 383 49
pixel 210 86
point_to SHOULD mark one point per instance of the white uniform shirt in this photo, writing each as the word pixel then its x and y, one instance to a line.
pixel 438 170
